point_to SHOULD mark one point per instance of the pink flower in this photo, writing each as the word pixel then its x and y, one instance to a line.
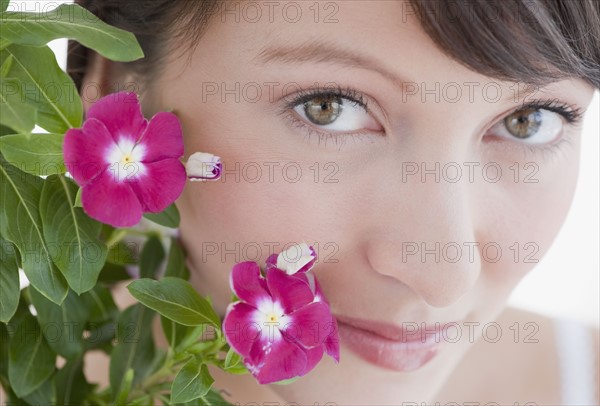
pixel 282 325
pixel 125 164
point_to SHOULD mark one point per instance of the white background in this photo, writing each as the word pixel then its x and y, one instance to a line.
pixel 566 281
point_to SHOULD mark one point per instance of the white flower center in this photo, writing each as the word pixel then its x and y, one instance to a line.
pixel 269 313
pixel 125 160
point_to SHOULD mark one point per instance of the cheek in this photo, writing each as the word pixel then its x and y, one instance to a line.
pixel 223 223
pixel 524 213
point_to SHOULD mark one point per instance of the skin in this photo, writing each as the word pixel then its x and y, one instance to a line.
pixel 371 212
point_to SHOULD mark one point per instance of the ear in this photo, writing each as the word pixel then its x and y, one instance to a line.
pixel 97 79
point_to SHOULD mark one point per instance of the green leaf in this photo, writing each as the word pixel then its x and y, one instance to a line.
pixel 9 280
pixel 78 202
pixel 176 261
pixel 102 307
pixel 3 350
pixel 62 325
pixel 20 223
pixel 37 154
pixel 101 337
pixel 49 90
pixel 175 299
pixel 22 311
pixel 4 43
pixel 73 22
pixel 44 395
pixel 135 348
pixel 180 337
pixel 14 113
pixel 125 387
pixel 169 217
pixel 4 130
pixel 142 401
pixel 5 67
pixel 71 386
pixel 232 359
pixel 31 361
pixel 286 381
pixel 152 255
pixel 78 252
pixel 112 273
pixel 123 253
pixel 233 363
pixel 192 382
pixel 214 398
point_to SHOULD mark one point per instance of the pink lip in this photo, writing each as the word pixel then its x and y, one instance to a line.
pixel 405 348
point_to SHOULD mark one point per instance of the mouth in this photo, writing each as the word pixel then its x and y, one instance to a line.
pixel 400 348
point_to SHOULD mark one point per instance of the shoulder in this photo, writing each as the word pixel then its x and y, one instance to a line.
pixel 517 359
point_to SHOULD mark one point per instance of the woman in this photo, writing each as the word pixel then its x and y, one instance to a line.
pixel 427 149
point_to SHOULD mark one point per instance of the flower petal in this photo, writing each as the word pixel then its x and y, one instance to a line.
pixel 85 150
pixel 319 296
pixel 332 343
pixel 275 359
pixel 111 202
pixel 158 184
pixel 309 325
pixel 122 115
pixel 297 258
pixel 247 284
pixel 292 293
pixel 314 355
pixel 202 166
pixel 311 263
pixel 272 261
pixel 241 332
pixel 162 138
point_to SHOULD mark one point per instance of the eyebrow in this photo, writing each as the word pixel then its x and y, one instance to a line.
pixel 325 52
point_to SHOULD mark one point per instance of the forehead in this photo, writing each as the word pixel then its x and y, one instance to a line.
pixel 284 37
pixel 377 28
pixel 384 32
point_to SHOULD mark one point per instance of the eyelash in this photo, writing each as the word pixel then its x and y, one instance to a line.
pixel 571 114
pixel 352 95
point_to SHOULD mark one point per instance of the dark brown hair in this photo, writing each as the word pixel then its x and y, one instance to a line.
pixel 530 41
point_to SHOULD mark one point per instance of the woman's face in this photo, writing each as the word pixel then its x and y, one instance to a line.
pixel 426 208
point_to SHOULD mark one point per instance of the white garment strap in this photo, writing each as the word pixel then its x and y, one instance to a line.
pixel 576 359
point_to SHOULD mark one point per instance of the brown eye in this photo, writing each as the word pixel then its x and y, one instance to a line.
pixel 530 125
pixel 524 123
pixel 323 110
pixel 334 112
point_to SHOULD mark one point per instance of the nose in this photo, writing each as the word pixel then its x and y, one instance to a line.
pixel 428 242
